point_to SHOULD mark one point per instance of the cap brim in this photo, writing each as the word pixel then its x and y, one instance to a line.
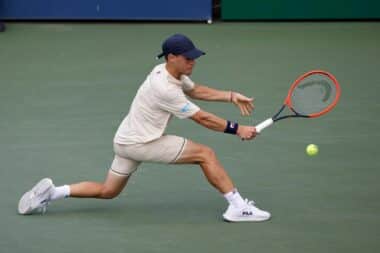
pixel 193 54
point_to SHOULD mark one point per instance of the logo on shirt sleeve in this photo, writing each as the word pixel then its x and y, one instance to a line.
pixel 186 108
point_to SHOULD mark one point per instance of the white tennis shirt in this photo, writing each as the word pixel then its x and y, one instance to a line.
pixel 158 98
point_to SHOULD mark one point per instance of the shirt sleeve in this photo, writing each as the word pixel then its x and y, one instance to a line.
pixel 177 104
pixel 187 83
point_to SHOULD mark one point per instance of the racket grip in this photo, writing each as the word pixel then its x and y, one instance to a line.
pixel 266 123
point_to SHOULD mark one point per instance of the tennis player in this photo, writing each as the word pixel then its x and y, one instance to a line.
pixel 141 136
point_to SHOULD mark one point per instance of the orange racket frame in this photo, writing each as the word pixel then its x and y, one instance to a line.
pixel 288 100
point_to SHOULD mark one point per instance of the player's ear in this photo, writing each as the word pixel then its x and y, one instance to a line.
pixel 170 57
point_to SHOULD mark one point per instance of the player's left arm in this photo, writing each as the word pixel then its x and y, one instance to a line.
pixel 202 92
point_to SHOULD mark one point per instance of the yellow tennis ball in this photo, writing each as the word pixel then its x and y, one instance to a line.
pixel 312 149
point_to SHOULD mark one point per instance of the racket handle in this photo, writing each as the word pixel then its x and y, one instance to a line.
pixel 266 123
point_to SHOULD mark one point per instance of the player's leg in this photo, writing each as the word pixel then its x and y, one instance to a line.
pixel 108 189
pixel 121 169
pixel 203 155
pixel 177 150
pixel 239 209
pixel 44 191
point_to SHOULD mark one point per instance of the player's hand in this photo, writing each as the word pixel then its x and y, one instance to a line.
pixel 244 103
pixel 246 132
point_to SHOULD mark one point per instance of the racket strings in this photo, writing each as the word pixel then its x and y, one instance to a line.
pixel 313 95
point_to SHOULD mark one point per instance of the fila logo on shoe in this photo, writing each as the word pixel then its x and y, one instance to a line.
pixel 247 213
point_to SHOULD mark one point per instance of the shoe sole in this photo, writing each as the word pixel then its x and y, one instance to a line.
pixel 246 219
pixel 31 199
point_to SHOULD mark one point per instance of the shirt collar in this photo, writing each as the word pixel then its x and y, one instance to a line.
pixel 170 78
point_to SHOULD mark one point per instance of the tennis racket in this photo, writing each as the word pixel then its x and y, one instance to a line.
pixel 312 95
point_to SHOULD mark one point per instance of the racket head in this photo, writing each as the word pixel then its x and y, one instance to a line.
pixel 313 94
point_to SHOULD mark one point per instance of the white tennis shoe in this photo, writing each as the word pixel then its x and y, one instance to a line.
pixel 249 212
pixel 37 198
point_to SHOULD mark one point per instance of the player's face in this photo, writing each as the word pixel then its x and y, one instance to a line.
pixel 184 65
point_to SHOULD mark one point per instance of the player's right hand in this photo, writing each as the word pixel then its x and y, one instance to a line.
pixel 246 132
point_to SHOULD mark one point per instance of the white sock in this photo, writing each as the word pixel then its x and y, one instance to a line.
pixel 233 197
pixel 60 192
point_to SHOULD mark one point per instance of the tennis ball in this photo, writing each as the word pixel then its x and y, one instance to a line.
pixel 312 150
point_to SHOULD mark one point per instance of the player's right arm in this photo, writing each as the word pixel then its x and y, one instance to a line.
pixel 216 123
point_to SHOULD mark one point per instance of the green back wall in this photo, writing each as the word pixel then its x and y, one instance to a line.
pixel 300 9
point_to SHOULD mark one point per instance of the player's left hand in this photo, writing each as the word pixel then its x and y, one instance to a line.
pixel 244 103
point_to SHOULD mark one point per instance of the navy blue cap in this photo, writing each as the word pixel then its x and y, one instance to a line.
pixel 179 44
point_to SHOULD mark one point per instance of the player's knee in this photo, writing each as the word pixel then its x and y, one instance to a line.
pixel 108 193
pixel 207 154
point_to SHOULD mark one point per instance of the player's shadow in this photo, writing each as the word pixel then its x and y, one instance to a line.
pixel 140 212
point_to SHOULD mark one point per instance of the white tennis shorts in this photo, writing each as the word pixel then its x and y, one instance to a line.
pixel 166 149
